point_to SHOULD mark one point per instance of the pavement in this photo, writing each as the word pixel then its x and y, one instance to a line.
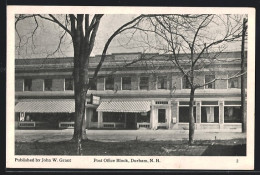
pixel 123 135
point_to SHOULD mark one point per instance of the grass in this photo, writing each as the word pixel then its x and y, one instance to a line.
pixel 236 147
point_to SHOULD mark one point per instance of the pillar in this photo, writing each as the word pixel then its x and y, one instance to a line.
pixel 221 114
pixel 152 116
pixel 198 114
pixel 169 116
pixel 100 117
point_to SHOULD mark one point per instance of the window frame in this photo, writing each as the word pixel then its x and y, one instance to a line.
pixel 166 81
pixel 44 84
pixel 105 83
pixel 146 84
pixel 213 84
pixel 65 84
pixel 24 84
pixel 130 83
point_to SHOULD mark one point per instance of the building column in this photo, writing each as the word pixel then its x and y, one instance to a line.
pixel 198 114
pixel 100 121
pixel 221 114
pixel 169 115
pixel 152 116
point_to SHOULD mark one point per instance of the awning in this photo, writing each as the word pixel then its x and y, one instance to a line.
pixel 124 106
pixel 46 106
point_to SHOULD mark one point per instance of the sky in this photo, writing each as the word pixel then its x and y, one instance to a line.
pixel 47 35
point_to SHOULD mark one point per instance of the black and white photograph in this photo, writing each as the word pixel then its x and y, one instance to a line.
pixel 130 87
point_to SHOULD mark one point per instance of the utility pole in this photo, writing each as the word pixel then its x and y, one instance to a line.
pixel 243 82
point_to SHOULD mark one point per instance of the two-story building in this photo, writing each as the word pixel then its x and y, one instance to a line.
pixel 149 93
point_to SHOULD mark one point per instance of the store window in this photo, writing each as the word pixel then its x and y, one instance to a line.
pixel 184 114
pixel 94 117
pixel 143 85
pixel 161 115
pixel 92 84
pixel 27 84
pixel 126 83
pixel 68 84
pixel 210 114
pixel 113 117
pixel 185 83
pixel 109 83
pixel 209 78
pixel 48 85
pixel 162 82
pixel 232 114
pixel 143 117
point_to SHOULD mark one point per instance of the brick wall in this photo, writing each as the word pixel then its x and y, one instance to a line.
pixel 221 84
pixel 58 84
pixel 37 85
pixel 19 85
pixel 100 84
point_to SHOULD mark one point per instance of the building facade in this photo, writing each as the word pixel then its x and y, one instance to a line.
pixel 146 94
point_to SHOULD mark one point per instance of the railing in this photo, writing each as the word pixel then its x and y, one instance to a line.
pixel 26 124
pixel 143 125
pixel 66 124
pixel 113 125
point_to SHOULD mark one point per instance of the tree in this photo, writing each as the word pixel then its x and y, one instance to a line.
pixel 82 28
pixel 200 37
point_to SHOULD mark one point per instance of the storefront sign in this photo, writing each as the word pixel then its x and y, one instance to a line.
pixel 95 100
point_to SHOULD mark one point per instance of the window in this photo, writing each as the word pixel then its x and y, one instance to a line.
pixel 113 117
pixel 184 114
pixel 161 115
pixel 126 83
pixel 94 117
pixel 143 85
pixel 162 83
pixel 48 84
pixel 92 84
pixel 185 83
pixel 143 117
pixel 68 84
pixel 209 78
pixel 210 114
pixel 27 84
pixel 234 83
pixel 232 114
pixel 109 83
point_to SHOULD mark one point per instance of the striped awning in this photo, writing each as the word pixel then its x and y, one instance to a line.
pixel 46 106
pixel 124 106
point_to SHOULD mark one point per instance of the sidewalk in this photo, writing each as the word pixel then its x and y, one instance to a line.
pixel 123 135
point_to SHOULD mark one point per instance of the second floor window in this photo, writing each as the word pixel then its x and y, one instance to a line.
pixel 27 84
pixel 109 83
pixel 162 83
pixel 233 83
pixel 144 83
pixel 126 83
pixel 92 84
pixel 209 78
pixel 47 84
pixel 185 83
pixel 68 84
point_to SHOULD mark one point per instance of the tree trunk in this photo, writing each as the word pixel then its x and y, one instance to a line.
pixel 191 117
pixel 243 82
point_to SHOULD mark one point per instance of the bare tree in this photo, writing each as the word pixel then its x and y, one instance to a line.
pixel 82 29
pixel 193 43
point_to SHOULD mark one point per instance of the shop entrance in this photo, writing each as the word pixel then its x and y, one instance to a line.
pixel 130 120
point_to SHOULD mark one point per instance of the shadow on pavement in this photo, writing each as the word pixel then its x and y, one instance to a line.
pixel 225 150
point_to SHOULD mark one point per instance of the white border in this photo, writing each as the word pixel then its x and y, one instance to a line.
pixel 169 162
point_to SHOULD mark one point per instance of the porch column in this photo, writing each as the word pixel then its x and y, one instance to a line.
pixel 198 114
pixel 169 116
pixel 152 116
pixel 221 114
pixel 100 117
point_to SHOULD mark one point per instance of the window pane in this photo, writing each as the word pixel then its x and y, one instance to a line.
pixel 92 84
pixel 144 83
pixel 162 83
pixel 185 83
pixel 209 78
pixel 232 114
pixel 161 115
pixel 113 117
pixel 233 83
pixel 48 84
pixel 143 118
pixel 184 114
pixel 109 84
pixel 210 114
pixel 27 84
pixel 68 84
pixel 126 83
